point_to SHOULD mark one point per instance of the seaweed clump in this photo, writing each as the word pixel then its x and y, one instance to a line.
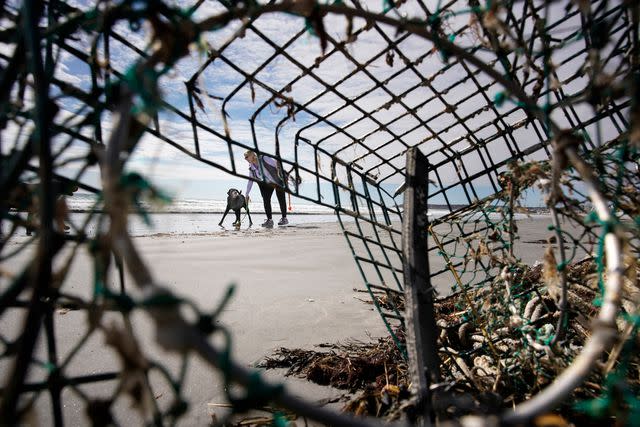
pixel 375 372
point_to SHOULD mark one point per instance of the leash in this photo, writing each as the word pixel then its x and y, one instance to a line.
pixel 246 210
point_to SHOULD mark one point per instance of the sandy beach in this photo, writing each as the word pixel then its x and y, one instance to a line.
pixel 294 288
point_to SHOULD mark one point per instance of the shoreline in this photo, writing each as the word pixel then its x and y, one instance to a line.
pixel 196 212
pixel 206 224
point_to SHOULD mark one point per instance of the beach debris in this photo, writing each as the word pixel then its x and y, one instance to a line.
pixel 375 371
pixel 494 354
pixel 384 299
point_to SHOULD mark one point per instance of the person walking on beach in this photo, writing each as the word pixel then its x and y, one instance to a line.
pixel 272 181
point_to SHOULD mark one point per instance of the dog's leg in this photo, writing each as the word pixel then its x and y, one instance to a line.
pixel 225 214
pixel 237 212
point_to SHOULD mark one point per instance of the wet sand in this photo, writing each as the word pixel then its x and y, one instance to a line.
pixel 294 288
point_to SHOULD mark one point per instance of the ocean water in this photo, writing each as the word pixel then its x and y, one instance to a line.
pixel 86 202
pixel 193 216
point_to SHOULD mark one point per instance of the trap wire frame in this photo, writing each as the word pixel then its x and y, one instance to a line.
pixel 486 91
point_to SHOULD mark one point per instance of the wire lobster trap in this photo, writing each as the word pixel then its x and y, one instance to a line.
pixel 503 102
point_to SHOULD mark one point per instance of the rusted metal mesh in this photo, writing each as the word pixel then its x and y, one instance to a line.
pixel 501 97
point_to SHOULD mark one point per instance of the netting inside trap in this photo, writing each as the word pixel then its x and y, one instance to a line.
pixel 495 95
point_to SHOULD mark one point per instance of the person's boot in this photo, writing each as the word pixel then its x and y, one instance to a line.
pixel 268 223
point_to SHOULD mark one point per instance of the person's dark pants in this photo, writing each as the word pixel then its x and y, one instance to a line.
pixel 266 190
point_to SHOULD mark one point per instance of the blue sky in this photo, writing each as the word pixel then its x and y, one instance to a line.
pixel 188 178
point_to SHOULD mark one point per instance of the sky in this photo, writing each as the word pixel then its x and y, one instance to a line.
pixel 393 108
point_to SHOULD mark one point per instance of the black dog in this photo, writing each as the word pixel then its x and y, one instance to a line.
pixel 235 202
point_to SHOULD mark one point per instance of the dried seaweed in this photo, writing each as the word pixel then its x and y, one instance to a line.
pixel 376 371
